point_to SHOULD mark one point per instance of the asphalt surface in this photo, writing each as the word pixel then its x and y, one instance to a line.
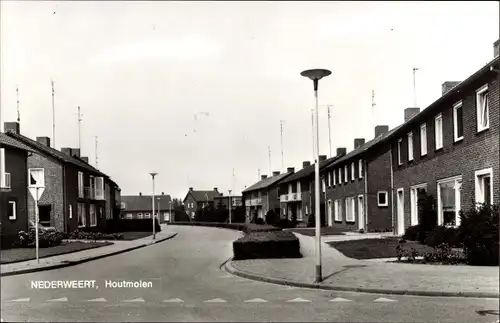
pixel 188 285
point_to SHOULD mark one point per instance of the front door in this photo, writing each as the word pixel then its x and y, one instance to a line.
pixel 361 213
pixel 400 214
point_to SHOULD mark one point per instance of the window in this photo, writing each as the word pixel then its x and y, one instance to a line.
pixel 323 184
pixel 410 146
pixel 483 109
pixel 12 210
pixel 382 198
pixel 99 188
pixel 192 215
pixel 334 173
pixel 70 211
pixel 353 171
pixel 458 122
pixel 290 189
pixel 346 174
pixel 7 180
pixel 416 192
pixel 307 209
pixel 329 179
pixel 82 220
pixel 438 131
pixel 139 215
pixel 80 184
pixel 330 213
pixel 349 209
pixel 337 210
pixel 360 168
pixel 299 213
pixel 423 139
pixel 128 216
pixel 449 195
pixel 400 146
pixel 93 216
pixel 147 215
pixel 484 192
pixel 36 177
pixel 299 189
pixel 341 179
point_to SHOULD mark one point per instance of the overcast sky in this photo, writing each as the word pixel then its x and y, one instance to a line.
pixel 142 71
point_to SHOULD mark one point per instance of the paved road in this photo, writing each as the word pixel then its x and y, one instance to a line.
pixel 188 285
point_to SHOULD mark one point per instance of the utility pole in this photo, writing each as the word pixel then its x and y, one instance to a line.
pixel 258 174
pixel 80 130
pixel 18 113
pixel 373 110
pixel 96 156
pixel 282 158
pixel 270 169
pixel 53 116
pixel 415 69
pixel 329 132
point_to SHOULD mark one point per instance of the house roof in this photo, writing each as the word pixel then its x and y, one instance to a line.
pixel 144 202
pixel 7 141
pixel 309 170
pixel 36 146
pixel 447 96
pixel 203 195
pixel 266 182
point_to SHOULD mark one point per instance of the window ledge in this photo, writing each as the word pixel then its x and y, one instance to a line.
pixel 424 155
pixel 350 222
pixel 383 205
pixel 458 140
pixel 438 149
pixel 337 221
pixel 482 130
pixel 12 219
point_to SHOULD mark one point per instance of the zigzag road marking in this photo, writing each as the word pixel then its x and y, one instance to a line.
pixel 97 300
pixel 215 300
pixel 383 299
pixel 173 300
pixel 340 299
pixel 19 300
pixel 58 300
pixel 135 300
pixel 298 300
pixel 256 300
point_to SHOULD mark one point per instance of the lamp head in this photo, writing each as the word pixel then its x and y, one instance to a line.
pixel 153 174
pixel 316 74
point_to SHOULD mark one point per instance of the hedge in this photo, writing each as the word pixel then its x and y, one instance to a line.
pixel 261 245
pixel 129 225
pixel 45 238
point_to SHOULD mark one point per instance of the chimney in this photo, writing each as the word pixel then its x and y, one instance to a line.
pixel 85 159
pixel 263 177
pixel 341 151
pixel 162 193
pixel 358 142
pixel 215 190
pixel 447 86
pixel 43 140
pixel 495 48
pixel 190 189
pixel 276 173
pixel 380 130
pixel 322 158
pixel 12 126
pixel 290 170
pixel 66 151
pixel 75 152
pixel 411 112
pixel 306 164
pixel 140 193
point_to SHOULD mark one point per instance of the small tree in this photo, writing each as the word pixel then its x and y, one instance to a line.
pixel 271 217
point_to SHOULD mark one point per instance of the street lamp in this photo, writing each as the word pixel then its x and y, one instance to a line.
pixel 153 201
pixel 229 206
pixel 316 75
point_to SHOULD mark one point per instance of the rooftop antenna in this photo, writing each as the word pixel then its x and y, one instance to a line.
pixel 258 174
pixel 329 132
pixel 96 156
pixel 80 129
pixel 373 109
pixel 269 148
pixel 312 129
pixel 18 113
pixel 53 116
pixel 282 158
pixel 415 69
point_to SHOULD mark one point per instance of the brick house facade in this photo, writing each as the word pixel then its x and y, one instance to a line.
pixel 141 207
pixel 195 200
pixel 459 162
pixel 75 192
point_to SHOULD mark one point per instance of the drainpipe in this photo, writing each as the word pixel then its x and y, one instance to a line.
pixel 365 202
pixel 65 200
pixel 392 190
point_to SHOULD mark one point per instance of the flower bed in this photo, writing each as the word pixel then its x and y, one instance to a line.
pixel 82 235
pixel 270 244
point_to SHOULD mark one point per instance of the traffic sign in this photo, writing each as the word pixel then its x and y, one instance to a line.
pixel 36 192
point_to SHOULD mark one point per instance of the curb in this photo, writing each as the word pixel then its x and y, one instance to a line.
pixel 229 267
pixel 77 262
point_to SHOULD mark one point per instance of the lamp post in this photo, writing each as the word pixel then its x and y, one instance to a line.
pixel 230 206
pixel 315 75
pixel 153 202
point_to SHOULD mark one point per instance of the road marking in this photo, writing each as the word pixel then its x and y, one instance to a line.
pixel 97 300
pixel 383 299
pixel 215 300
pixel 57 300
pixel 256 300
pixel 19 300
pixel 340 299
pixel 298 300
pixel 173 300
pixel 135 300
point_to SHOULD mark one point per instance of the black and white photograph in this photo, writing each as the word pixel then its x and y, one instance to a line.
pixel 249 161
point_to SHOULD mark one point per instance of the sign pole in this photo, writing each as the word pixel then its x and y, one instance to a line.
pixel 36 225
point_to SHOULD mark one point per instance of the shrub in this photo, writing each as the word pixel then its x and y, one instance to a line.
pixel 284 224
pixel 252 227
pixel 479 233
pixel 441 254
pixel 138 225
pixel 443 235
pixel 82 235
pixel 259 221
pixel 271 217
pixel 427 215
pixel 239 215
pixel 45 238
pixel 259 245
pixel 412 233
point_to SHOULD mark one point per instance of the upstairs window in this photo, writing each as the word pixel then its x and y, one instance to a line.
pixel 458 122
pixel 346 174
pixel 329 179
pixel 360 168
pixel 11 210
pixel 353 171
pixel 423 139
pixel 483 109
pixel 382 198
pixel 410 146
pixel 400 146
pixel 334 173
pixel 438 131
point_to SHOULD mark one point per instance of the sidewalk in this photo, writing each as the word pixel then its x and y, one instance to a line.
pixel 346 274
pixel 79 257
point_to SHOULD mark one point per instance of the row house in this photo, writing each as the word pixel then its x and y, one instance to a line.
pixel 198 199
pixel 359 185
pixel 264 195
pixel 13 187
pixel 75 192
pixel 450 150
pixel 141 207
pixel 295 191
pixel 223 202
